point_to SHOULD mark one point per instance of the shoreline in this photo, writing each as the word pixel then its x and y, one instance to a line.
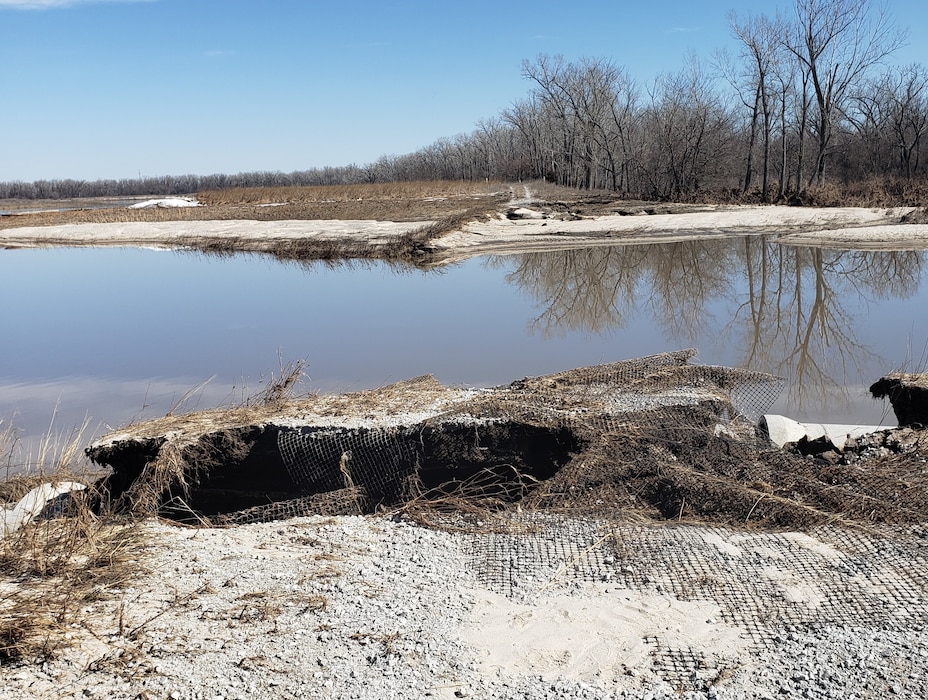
pixel 377 606
pixel 419 243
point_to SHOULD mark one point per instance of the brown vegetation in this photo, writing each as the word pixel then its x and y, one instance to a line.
pixel 51 568
pixel 402 201
pixel 427 191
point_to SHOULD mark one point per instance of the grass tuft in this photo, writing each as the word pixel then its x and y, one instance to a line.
pixel 67 558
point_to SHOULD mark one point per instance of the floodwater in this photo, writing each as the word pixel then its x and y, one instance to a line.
pixel 118 334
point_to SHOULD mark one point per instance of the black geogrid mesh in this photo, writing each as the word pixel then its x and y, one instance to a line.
pixel 761 581
pixel 349 501
pixel 590 402
pixel 322 460
pixel 685 669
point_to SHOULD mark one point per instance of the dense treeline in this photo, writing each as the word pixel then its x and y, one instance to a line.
pixel 177 185
pixel 809 97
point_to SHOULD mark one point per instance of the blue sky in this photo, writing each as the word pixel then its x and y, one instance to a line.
pixel 118 88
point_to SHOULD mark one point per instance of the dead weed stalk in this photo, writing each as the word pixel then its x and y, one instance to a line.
pixel 481 503
pixel 52 570
pixel 56 565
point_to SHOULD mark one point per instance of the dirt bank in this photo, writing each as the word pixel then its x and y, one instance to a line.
pixel 502 225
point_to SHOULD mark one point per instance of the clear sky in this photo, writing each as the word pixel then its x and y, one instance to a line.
pixel 120 88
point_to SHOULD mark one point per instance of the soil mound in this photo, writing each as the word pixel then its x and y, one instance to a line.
pixel 908 394
pixel 656 438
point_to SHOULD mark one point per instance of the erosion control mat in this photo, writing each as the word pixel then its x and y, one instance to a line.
pixel 764 586
pixel 656 438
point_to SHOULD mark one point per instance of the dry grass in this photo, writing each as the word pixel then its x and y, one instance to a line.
pixel 56 452
pixel 874 192
pixel 182 461
pixel 53 567
pixel 403 202
pixel 327 194
pixel 441 206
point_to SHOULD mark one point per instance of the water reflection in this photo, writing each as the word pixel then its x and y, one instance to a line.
pixel 115 333
pixel 792 311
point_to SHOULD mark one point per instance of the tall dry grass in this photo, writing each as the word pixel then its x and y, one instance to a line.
pixel 72 555
pixel 348 193
pixel 873 192
pixel 57 451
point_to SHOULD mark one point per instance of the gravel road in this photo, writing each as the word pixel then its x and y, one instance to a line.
pixel 356 607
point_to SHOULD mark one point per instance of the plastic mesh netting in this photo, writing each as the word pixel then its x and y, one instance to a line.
pixel 387 463
pixel 657 437
pixel 762 584
pixel 576 478
pixel 328 460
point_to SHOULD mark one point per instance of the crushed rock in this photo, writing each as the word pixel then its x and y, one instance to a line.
pixel 354 607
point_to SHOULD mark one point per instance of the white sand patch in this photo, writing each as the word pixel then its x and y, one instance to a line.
pixel 725 547
pixel 793 589
pixel 137 233
pixel 754 545
pixel 814 545
pixel 902 236
pixel 600 634
pixel 166 203
pixel 502 235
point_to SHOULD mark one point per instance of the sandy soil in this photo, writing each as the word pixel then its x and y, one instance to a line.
pixel 535 229
pixel 178 233
pixel 847 227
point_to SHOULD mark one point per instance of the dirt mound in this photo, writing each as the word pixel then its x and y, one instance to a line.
pixel 908 394
pixel 654 437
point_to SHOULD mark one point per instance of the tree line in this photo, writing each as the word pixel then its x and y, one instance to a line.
pixel 170 185
pixel 807 97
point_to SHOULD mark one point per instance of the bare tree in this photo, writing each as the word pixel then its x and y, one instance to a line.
pixel 585 114
pixel 690 133
pixel 894 115
pixel 760 39
pixel 838 42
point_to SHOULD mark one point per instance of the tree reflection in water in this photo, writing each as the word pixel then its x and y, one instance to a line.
pixel 792 309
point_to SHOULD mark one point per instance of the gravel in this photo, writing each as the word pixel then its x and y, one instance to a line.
pixel 355 607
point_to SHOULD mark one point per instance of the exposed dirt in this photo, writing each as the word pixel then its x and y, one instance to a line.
pixel 654 438
pixel 908 394
pixel 425 224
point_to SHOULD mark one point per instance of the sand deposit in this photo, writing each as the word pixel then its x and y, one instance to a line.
pixel 523 229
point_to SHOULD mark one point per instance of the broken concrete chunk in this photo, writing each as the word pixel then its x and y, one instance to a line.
pixel 784 431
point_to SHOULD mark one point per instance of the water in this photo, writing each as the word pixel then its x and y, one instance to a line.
pixel 118 334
